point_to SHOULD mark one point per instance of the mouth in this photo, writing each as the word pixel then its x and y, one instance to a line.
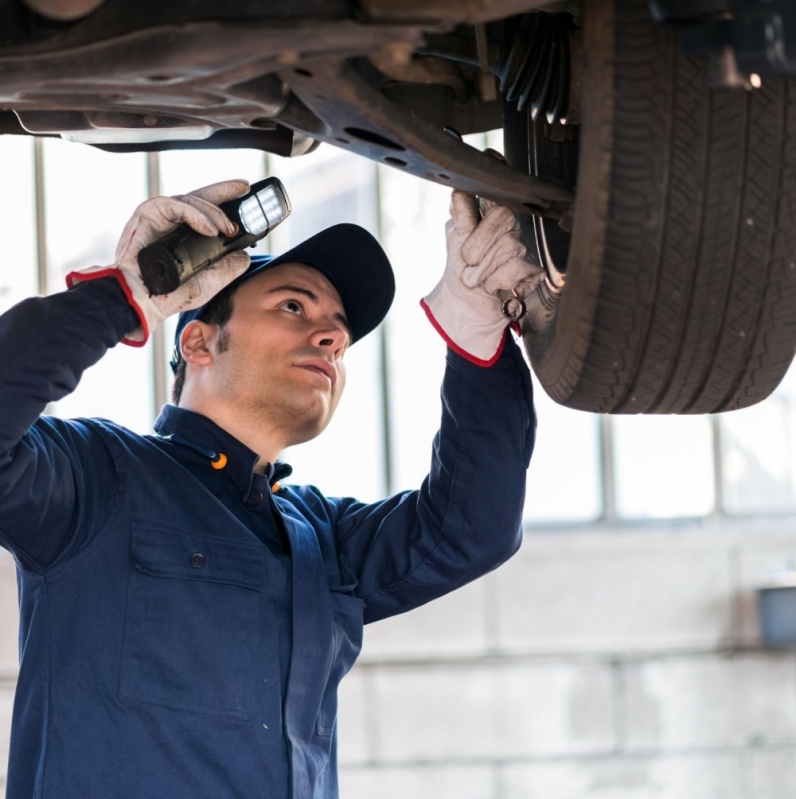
pixel 322 368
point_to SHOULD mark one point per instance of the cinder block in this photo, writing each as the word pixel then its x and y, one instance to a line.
pixel 424 714
pixel 454 625
pixel 773 774
pixel 693 777
pixel 492 711
pixel 553 709
pixel 9 617
pixel 710 701
pixel 353 741
pixel 420 782
pixel 629 590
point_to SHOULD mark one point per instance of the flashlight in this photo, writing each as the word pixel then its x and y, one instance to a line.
pixel 179 255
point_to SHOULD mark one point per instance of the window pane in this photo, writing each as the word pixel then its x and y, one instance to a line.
pixel 325 188
pixel 18 215
pixel 564 476
pixel 759 453
pixel 89 196
pixel 186 170
pixel 663 465
pixel 413 233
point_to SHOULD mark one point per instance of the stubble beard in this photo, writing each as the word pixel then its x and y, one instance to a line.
pixel 296 411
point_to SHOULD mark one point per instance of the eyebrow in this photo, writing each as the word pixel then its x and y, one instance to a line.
pixel 289 288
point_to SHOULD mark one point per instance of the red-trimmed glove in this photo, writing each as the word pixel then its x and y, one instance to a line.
pixel 153 219
pixel 485 258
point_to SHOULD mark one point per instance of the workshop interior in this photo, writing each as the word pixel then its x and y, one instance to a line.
pixel 642 643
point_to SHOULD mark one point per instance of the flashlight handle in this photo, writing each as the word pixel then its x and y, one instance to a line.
pixel 176 257
pixel 179 255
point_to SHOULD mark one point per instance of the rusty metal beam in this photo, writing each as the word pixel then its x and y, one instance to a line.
pixel 357 117
pixel 203 71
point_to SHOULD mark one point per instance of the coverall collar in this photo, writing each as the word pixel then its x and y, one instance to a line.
pixel 198 430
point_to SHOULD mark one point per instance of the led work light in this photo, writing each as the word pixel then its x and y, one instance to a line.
pixel 175 258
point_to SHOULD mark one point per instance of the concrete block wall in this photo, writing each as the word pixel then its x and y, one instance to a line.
pixel 599 663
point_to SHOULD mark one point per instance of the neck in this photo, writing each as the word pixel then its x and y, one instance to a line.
pixel 256 435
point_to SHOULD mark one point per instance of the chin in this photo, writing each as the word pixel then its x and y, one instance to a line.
pixel 302 414
pixel 309 423
pixel 306 431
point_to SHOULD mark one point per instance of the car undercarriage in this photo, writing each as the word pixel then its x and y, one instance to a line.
pixel 640 139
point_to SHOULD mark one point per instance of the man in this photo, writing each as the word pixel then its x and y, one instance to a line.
pixel 185 620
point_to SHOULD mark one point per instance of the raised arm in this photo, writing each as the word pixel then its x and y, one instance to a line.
pixel 56 477
pixel 46 343
pixel 466 518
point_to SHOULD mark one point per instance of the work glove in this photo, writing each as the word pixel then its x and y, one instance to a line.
pixel 152 220
pixel 487 263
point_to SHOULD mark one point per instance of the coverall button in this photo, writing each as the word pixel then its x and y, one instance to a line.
pixel 198 560
pixel 255 497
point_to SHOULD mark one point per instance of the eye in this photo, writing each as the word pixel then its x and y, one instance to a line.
pixel 293 306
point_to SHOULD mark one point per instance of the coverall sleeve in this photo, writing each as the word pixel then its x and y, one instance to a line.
pixel 56 478
pixel 466 519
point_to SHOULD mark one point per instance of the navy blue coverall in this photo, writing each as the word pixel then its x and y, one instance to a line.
pixel 184 629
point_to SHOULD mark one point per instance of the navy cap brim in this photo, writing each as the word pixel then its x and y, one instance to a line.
pixel 352 261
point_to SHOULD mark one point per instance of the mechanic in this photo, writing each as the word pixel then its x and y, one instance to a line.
pixel 186 618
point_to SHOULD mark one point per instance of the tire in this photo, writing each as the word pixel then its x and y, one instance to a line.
pixel 680 292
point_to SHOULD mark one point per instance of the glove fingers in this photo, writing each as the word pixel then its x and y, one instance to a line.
pixel 221 192
pixel 517 274
pixel 166 212
pixel 496 223
pixel 212 212
pixel 207 283
pixel 528 285
pixel 503 250
pixel 464 210
pixel 156 217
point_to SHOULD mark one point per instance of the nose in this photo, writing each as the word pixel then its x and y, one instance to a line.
pixel 331 336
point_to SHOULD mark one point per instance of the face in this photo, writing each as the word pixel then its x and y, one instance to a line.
pixel 285 341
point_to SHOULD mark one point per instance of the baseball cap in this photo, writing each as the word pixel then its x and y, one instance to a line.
pixel 351 260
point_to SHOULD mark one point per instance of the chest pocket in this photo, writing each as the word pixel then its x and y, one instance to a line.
pixel 347 642
pixel 192 612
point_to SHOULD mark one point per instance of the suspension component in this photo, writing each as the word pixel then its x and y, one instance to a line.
pixel 535 64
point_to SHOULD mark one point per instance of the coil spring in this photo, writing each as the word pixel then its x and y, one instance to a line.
pixel 535 64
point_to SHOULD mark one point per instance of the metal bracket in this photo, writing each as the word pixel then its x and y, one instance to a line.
pixel 359 118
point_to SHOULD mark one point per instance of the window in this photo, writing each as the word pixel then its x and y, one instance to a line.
pixel 664 466
pixel 88 197
pixel 326 188
pixel 413 222
pixel 564 476
pixel 18 212
pixel 758 446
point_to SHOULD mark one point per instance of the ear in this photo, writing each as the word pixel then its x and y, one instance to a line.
pixel 195 343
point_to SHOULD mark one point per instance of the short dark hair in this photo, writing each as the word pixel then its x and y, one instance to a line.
pixel 218 312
